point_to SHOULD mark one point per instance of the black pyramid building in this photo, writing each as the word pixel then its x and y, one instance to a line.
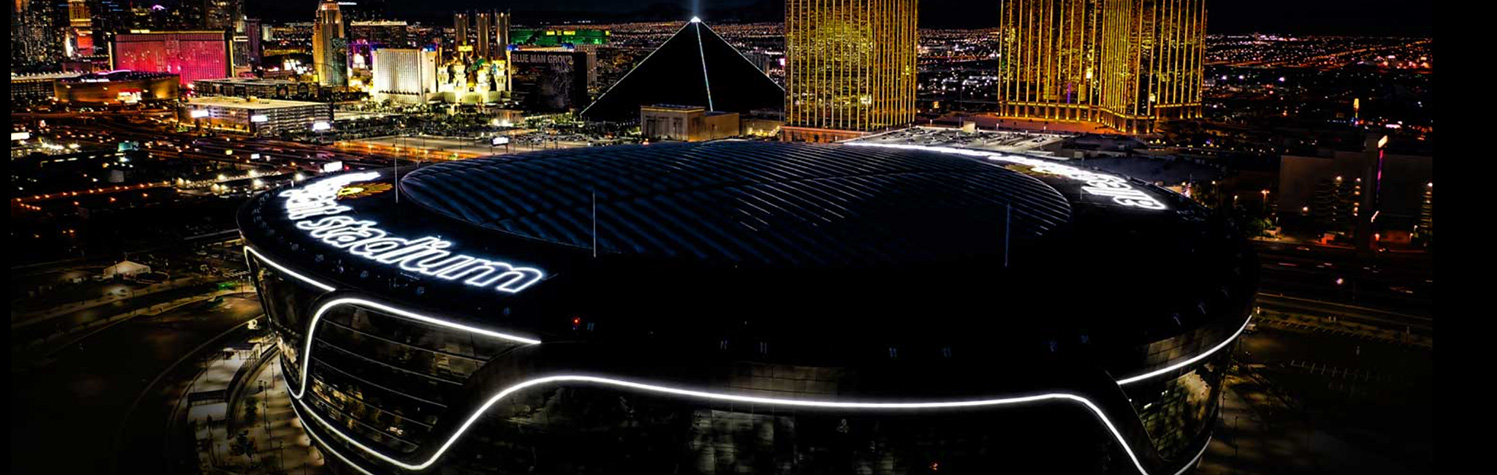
pixel 695 67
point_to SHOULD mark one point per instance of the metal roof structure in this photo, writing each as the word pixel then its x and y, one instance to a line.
pixel 747 204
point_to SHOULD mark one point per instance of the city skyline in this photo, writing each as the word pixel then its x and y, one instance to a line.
pixel 1110 237
pixel 1351 17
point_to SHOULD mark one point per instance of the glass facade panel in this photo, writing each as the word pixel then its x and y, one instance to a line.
pixel 584 429
pixel 287 303
pixel 390 379
pixel 1176 410
pixel 357 414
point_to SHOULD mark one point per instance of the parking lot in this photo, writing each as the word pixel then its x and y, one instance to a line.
pixel 996 141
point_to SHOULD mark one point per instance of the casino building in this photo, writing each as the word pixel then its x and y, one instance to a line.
pixel 750 307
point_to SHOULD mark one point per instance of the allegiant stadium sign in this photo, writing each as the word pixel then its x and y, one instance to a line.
pixel 314 208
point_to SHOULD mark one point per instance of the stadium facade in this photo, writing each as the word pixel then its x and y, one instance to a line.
pixel 749 306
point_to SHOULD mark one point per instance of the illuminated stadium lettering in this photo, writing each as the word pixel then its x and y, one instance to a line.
pixel 363 238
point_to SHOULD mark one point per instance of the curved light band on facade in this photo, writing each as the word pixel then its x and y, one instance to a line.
pixel 891 406
pixel 312 325
pixel 306 356
pixel 1190 361
pixel 249 250
pixel 1100 184
pixel 315 318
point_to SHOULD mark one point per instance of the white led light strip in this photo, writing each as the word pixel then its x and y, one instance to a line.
pixel 329 305
pixel 745 58
pixel 744 399
pixel 1188 362
pixel 700 50
pixel 1101 184
pixel 312 325
pixel 249 250
pixel 306 357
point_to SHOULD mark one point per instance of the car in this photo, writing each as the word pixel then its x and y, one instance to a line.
pixel 1252 327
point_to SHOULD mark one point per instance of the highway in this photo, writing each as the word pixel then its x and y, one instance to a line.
pixel 1392 290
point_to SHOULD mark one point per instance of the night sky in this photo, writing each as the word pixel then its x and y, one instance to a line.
pixel 1355 17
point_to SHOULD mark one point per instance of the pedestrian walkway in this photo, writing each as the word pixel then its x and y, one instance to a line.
pixel 206 403
pixel 274 438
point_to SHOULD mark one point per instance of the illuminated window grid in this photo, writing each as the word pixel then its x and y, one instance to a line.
pixel 850 65
pixel 1123 63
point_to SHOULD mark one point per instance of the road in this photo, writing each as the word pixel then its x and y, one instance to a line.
pixel 87 315
pixel 1416 324
pixel 65 414
pixel 1396 288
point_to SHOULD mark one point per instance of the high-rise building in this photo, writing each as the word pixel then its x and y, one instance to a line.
pixel 1358 193
pixel 33 35
pixel 192 55
pixel 484 35
pixel 1124 64
pixel 223 14
pixel 80 41
pixel 850 67
pixel 109 16
pixel 404 75
pixel 253 34
pixel 381 33
pixel 364 10
pixel 330 45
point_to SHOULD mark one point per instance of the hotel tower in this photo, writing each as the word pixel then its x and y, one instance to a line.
pixel 1124 64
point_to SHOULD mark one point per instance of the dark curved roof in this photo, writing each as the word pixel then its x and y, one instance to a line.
pixel 749 203
pixel 827 253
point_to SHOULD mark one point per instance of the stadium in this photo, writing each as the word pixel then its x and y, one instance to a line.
pixel 750 307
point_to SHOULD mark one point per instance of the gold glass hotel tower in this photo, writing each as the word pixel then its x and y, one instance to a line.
pixel 1126 64
pixel 850 66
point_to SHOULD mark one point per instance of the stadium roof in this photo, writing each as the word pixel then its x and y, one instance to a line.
pixel 748 204
pixel 694 67
pixel 812 243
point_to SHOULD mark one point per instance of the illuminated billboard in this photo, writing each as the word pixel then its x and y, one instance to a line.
pixel 192 55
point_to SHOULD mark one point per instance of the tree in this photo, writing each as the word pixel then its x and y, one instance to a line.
pixel 244 445
pixel 251 410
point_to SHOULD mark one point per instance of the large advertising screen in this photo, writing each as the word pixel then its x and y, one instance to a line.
pixel 190 55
